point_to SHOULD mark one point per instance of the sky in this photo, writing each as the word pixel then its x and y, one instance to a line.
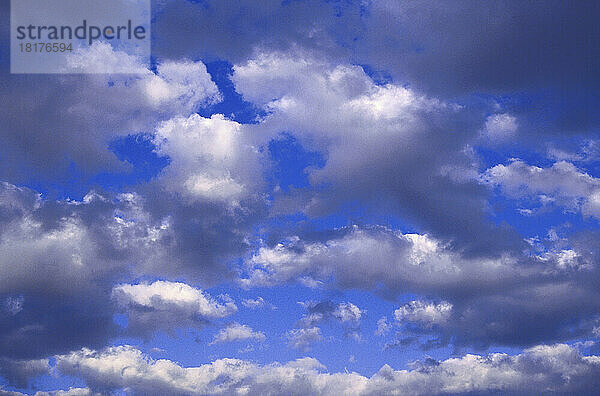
pixel 309 197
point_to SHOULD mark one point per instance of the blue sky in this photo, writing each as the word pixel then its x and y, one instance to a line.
pixel 309 197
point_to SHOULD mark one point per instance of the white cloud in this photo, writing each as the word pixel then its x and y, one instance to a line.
pixel 166 305
pixel 173 295
pixel 105 106
pixel 211 159
pixel 238 332
pixel 348 312
pixel 332 107
pixel 557 368
pixel 381 144
pixel 345 313
pixel 303 338
pixel 383 327
pixel 184 83
pixel 256 303
pixel 424 313
pixel 376 256
pixel 561 184
pixel 589 151
pixel 70 392
pixel 10 393
pixel 566 260
pixel 500 127
pixel 179 87
pixel 101 57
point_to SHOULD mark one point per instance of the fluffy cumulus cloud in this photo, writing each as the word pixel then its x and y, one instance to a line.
pixel 345 312
pixel 385 145
pixel 377 256
pixel 424 313
pixel 238 332
pixel 394 263
pixel 557 368
pixel 58 254
pixel 410 108
pixel 304 337
pixel 48 135
pixel 101 58
pixel 90 244
pixel 211 159
pixel 167 305
pixel 562 184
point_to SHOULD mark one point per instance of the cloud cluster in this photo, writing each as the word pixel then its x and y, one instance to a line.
pixel 562 184
pixel 377 256
pixel 345 314
pixel 304 337
pixel 49 135
pixel 424 313
pixel 62 258
pixel 394 97
pixel 168 305
pixel 448 50
pixel 547 369
pixel 558 286
pixel 386 146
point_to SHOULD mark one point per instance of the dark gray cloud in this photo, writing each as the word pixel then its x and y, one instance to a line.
pixel 213 29
pixel 502 47
pixel 61 259
pixel 544 54
pixel 19 372
pixel 54 125
pixel 461 74
pixel 56 264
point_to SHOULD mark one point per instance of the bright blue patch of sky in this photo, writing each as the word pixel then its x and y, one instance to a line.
pixel 291 162
pixel 233 105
